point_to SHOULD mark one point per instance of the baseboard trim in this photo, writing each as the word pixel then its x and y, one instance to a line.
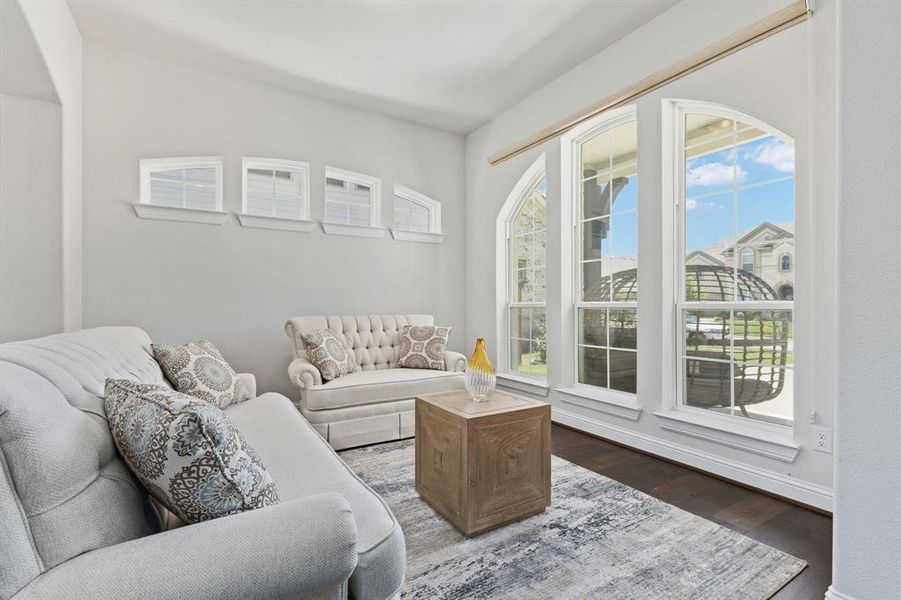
pixel 834 594
pixel 807 494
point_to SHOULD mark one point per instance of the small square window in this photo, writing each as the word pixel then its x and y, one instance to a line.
pixel 181 189
pixel 274 188
pixel 193 183
pixel 352 204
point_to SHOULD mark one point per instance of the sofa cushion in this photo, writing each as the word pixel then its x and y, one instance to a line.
pixel 329 354
pixel 422 347
pixel 186 452
pixel 72 491
pixel 302 463
pixel 384 385
pixel 198 369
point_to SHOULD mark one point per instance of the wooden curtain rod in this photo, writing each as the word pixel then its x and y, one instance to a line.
pixel 791 15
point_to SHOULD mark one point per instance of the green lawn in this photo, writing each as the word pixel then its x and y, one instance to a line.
pixel 526 365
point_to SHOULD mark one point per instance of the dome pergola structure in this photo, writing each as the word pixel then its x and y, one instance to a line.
pixel 757 341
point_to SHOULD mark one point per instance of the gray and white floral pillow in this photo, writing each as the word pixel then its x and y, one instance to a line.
pixel 328 354
pixel 186 452
pixel 198 369
pixel 422 347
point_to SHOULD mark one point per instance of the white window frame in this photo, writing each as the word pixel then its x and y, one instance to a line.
pixel 375 228
pixel 434 235
pixel 300 222
pixel 766 439
pixel 610 401
pixel 526 382
pixel 146 210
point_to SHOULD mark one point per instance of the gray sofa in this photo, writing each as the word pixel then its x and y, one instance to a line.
pixel 375 403
pixel 75 524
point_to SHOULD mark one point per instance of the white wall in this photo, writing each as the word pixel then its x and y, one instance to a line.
pixel 31 253
pixel 58 39
pixel 768 80
pixel 867 528
pixel 237 286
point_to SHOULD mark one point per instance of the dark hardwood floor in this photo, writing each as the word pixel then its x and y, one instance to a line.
pixel 790 528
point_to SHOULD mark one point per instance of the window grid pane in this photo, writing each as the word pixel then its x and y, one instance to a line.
pixel 193 187
pixel 347 203
pixel 274 192
pixel 411 216
pixel 607 269
pixel 528 349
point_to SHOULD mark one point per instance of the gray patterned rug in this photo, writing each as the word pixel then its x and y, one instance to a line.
pixel 598 539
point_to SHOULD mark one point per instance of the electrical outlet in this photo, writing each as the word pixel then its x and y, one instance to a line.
pixel 822 439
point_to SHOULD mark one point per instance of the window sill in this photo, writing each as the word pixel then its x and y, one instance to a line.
pixel 417 236
pixel 609 402
pixel 523 383
pixel 279 223
pixel 771 441
pixel 172 213
pixel 355 230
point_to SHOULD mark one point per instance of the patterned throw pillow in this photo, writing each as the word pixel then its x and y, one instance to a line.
pixel 328 354
pixel 186 452
pixel 422 347
pixel 198 369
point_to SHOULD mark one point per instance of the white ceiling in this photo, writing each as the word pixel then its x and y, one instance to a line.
pixel 452 64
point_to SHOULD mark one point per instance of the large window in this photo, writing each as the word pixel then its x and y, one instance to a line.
pixel 525 279
pixel 736 205
pixel 607 255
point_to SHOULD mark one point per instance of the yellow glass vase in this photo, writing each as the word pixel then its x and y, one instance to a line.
pixel 480 377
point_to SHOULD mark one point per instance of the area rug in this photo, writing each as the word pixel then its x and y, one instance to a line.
pixel 599 539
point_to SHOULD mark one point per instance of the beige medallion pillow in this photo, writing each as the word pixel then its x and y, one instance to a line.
pixel 198 369
pixel 422 347
pixel 329 354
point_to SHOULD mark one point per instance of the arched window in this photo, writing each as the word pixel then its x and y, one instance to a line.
pixel 523 223
pixel 747 260
pixel 735 200
pixel 785 263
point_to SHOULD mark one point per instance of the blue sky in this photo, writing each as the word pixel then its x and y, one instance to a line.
pixel 710 181
pixel 709 196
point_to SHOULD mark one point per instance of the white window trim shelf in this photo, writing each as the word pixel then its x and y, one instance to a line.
pixel 417 236
pixel 355 230
pixel 278 223
pixel 605 401
pixel 177 213
pixel 523 383
pixel 762 439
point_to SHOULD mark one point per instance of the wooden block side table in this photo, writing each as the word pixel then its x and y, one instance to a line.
pixel 482 465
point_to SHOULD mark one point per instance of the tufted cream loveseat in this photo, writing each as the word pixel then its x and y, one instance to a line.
pixel 374 404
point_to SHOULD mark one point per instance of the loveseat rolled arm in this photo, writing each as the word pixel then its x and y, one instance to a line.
pixel 455 361
pixel 304 374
